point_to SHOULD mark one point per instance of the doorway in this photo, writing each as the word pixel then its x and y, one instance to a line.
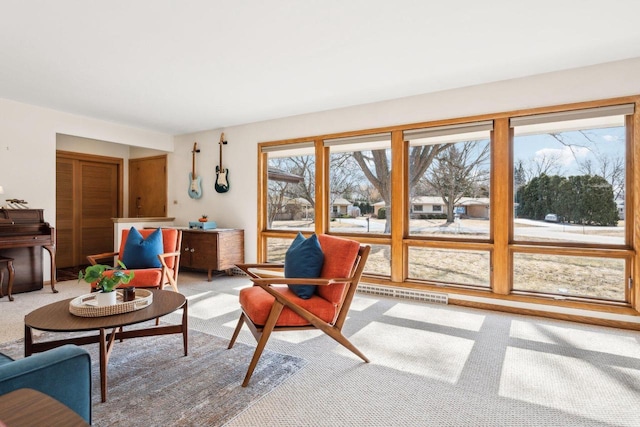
pixel 88 196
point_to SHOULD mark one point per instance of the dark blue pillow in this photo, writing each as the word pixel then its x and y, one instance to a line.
pixel 304 259
pixel 140 252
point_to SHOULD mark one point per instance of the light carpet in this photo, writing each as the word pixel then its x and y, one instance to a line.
pixel 431 365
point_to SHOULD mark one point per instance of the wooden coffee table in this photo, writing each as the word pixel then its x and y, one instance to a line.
pixel 56 317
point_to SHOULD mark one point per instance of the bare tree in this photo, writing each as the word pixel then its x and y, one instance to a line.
pixel 457 171
pixel 280 191
pixel 376 167
pixel 345 176
pixel 608 167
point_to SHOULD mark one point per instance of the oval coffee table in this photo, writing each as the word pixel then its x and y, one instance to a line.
pixel 55 317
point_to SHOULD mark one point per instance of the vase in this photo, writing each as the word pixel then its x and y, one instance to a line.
pixel 106 298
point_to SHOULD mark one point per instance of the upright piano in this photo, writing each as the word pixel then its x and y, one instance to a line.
pixel 23 235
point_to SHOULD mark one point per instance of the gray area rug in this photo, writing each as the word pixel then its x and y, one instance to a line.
pixel 151 383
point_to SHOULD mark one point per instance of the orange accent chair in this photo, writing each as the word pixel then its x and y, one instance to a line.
pixel 270 306
pixel 156 277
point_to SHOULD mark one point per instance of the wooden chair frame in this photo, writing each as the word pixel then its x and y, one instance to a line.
pixel 167 277
pixel 265 279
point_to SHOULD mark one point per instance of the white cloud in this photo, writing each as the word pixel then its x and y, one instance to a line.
pixel 565 155
pixel 611 138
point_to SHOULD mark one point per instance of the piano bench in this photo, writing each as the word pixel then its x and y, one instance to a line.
pixel 9 266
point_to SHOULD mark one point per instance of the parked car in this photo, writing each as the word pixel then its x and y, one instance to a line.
pixel 551 217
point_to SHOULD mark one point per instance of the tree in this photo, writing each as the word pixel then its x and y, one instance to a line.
pixel 457 172
pixel 376 167
pixel 608 167
pixel 582 199
pixel 280 192
pixel 344 177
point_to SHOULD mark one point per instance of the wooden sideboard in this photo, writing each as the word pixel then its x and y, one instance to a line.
pixel 219 249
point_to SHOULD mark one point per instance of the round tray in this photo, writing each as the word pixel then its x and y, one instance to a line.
pixel 86 305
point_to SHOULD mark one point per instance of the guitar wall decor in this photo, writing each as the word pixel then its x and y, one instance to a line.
pixel 195 182
pixel 222 174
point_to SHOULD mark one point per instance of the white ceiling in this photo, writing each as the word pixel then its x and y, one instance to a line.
pixel 184 66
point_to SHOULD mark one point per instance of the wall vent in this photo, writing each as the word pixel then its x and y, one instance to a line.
pixel 411 294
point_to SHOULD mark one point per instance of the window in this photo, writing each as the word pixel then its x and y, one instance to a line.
pixel 569 186
pixel 359 178
pixel 291 186
pixel 570 175
pixel 417 208
pixel 449 167
pixel 448 266
pixel 570 276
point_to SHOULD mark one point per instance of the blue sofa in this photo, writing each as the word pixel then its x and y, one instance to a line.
pixel 63 373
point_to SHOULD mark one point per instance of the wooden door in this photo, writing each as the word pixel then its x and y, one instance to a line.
pixel 88 196
pixel 65 213
pixel 148 187
pixel 99 204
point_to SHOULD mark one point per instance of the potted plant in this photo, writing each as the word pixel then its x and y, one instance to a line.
pixel 203 218
pixel 106 283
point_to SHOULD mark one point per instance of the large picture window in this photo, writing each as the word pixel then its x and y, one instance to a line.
pixel 531 206
pixel 570 176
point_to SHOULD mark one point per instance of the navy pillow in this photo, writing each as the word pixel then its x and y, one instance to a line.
pixel 140 252
pixel 303 259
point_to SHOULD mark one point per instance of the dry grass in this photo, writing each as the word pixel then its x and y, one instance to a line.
pixel 562 275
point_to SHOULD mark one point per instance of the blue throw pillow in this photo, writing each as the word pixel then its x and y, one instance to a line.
pixel 140 252
pixel 303 259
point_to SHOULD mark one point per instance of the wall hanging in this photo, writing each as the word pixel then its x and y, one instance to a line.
pixel 222 174
pixel 195 182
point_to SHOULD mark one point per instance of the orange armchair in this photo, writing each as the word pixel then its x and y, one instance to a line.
pixel 270 306
pixel 156 277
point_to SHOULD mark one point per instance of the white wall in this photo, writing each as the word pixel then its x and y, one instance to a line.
pixel 28 150
pixel 237 208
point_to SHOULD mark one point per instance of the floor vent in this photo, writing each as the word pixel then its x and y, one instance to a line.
pixel 235 271
pixel 411 294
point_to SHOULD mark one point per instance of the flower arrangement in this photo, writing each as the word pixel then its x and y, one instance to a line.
pixel 106 283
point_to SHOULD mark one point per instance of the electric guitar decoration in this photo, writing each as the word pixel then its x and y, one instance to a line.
pixel 195 182
pixel 222 175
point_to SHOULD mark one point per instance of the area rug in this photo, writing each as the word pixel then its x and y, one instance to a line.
pixel 151 383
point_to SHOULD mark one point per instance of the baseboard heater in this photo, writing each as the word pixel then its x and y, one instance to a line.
pixel 411 294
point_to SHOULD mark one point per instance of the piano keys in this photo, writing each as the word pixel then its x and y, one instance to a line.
pixel 23 236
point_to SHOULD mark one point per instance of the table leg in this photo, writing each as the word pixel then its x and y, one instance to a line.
pixel 28 341
pixel 185 338
pixel 12 273
pixel 52 256
pixel 106 344
pixel 103 365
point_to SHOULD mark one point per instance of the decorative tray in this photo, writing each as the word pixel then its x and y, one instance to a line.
pixel 87 305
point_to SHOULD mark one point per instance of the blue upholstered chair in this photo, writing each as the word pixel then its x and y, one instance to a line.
pixel 63 373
